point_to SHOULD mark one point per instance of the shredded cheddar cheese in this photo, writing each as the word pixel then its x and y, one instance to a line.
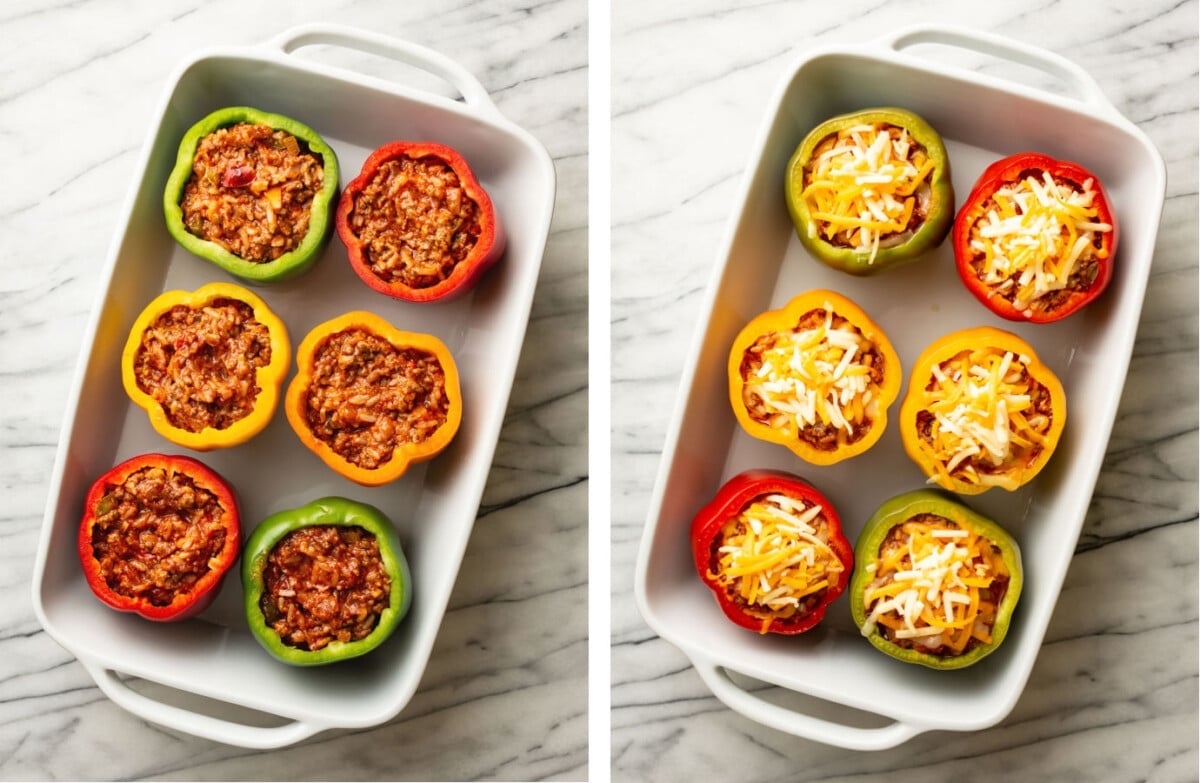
pixel 984 415
pixel 774 554
pixel 862 187
pixel 1034 235
pixel 813 376
pixel 935 586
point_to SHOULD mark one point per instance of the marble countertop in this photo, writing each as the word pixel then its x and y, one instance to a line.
pixel 1113 692
pixel 504 695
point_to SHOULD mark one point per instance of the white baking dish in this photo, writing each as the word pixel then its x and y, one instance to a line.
pixel 208 676
pixel 837 688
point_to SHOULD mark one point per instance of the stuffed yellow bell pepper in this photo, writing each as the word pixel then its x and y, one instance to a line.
pixel 207 366
pixel 816 376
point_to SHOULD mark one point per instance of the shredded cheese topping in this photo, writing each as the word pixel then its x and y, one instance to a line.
pixel 861 185
pixel 935 586
pixel 774 554
pixel 1035 235
pixel 985 414
pixel 816 374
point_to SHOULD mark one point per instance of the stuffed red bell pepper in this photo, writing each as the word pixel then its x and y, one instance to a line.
pixel 1036 238
pixel 417 224
pixel 158 535
pixel 770 546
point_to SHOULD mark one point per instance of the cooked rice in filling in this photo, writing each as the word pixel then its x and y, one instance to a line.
pixel 367 396
pixel 156 534
pixel 416 222
pixel 251 191
pixel 323 584
pixel 200 363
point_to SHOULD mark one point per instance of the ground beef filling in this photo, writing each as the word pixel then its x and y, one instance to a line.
pixel 416 222
pixel 367 396
pixel 251 191
pixel 156 534
pixel 818 434
pixel 200 363
pixel 323 584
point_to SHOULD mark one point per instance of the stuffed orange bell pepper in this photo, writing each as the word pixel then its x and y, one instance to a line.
pixel 207 366
pixel 981 411
pixel 370 400
pixel 816 376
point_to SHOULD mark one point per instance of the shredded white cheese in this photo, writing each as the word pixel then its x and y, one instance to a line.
pixel 1034 235
pixel 982 405
pixel 864 187
pixel 814 376
pixel 775 553
pixel 929 589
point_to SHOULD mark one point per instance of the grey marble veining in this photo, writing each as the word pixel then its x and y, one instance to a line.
pixel 1113 694
pixel 505 693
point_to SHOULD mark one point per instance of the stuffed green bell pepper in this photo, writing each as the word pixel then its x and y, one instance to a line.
pixel 936 583
pixel 253 193
pixel 870 190
pixel 324 582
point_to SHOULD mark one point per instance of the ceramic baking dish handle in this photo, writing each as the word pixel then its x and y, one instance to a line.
pixel 799 724
pixel 195 723
pixel 1082 86
pixel 405 52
